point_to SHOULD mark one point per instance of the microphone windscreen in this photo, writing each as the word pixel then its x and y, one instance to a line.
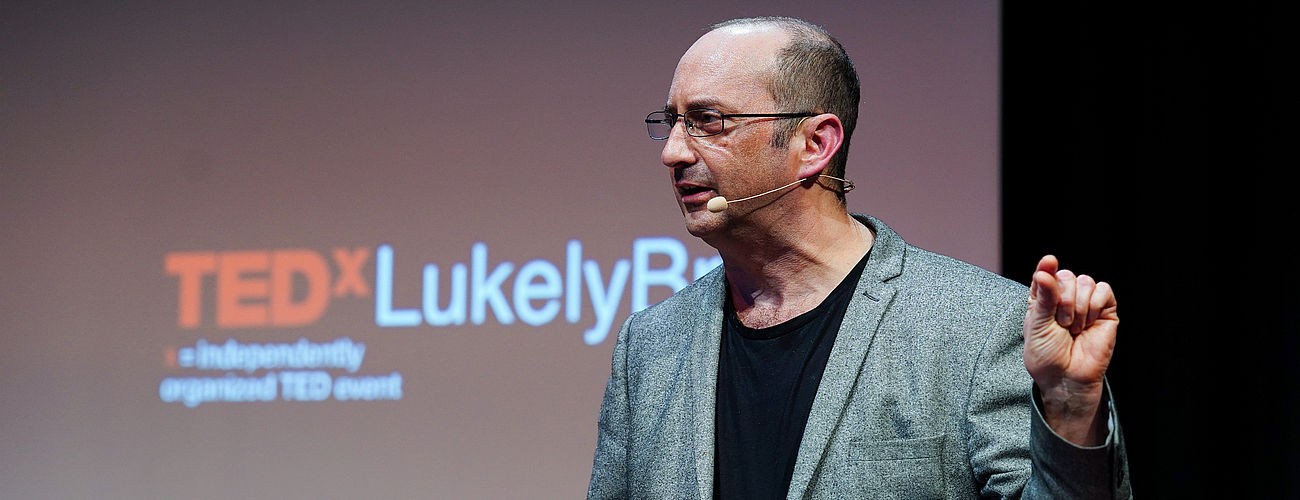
pixel 716 204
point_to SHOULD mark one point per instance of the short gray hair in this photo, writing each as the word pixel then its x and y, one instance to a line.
pixel 814 73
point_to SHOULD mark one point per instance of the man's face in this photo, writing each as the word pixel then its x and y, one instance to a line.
pixel 726 70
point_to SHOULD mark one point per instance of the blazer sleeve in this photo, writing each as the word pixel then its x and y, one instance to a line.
pixel 1065 470
pixel 609 470
pixel 1013 460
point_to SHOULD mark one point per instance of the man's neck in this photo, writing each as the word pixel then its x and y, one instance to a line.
pixel 779 274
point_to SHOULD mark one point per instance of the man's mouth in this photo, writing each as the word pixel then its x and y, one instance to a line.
pixel 694 195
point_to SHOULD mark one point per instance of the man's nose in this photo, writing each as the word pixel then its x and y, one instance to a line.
pixel 677 153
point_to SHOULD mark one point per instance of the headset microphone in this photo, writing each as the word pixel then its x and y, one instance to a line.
pixel 719 203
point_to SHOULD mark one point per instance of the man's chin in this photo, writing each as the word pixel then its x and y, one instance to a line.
pixel 701 223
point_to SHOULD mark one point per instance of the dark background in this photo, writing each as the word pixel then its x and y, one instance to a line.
pixel 1138 146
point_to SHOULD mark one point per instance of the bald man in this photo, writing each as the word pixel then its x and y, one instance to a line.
pixel 826 357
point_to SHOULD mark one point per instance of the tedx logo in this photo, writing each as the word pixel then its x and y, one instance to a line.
pixel 261 288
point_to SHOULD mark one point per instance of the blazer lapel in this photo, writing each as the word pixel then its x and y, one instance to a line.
pixel 852 343
pixel 706 333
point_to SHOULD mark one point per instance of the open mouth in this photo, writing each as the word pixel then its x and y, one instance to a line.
pixel 692 194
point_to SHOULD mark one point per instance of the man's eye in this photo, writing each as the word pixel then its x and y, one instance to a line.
pixel 706 118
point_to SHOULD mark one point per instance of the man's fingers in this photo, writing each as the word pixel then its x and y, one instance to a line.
pixel 1045 294
pixel 1043 283
pixel 1047 264
pixel 1103 299
pixel 1066 289
pixel 1084 286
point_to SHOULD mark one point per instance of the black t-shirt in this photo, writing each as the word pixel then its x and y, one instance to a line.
pixel 767 378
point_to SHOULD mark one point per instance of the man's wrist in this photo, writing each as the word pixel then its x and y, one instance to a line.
pixel 1076 414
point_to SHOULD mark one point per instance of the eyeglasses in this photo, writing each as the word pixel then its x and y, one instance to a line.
pixel 701 122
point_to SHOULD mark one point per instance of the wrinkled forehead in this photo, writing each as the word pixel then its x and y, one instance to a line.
pixel 727 68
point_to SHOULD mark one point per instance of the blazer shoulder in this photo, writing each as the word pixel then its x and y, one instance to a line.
pixel 953 272
pixel 698 300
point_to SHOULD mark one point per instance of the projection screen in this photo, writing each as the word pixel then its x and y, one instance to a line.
pixel 382 249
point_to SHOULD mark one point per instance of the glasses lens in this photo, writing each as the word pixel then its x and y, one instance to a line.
pixel 704 122
pixel 659 124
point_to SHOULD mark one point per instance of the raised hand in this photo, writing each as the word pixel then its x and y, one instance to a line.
pixel 1069 335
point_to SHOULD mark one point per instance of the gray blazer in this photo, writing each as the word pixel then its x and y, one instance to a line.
pixel 925 395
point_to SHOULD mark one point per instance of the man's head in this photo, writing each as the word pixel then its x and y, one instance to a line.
pixel 813 73
pixel 786 94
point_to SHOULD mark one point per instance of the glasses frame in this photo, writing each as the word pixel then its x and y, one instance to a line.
pixel 671 120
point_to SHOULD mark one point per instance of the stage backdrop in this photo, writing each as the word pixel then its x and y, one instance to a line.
pixel 381 250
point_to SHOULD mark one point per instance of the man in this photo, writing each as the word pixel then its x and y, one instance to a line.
pixel 826 357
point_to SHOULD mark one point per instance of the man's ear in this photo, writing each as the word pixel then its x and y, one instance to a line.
pixel 818 139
